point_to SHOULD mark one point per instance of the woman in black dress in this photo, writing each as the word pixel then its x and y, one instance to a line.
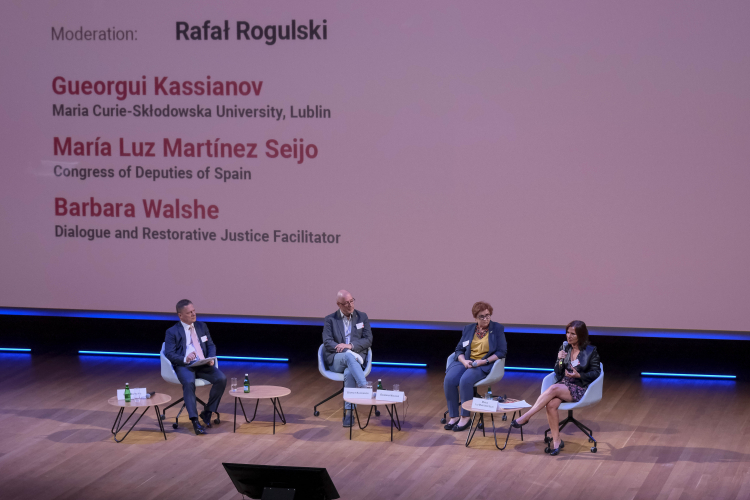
pixel 576 367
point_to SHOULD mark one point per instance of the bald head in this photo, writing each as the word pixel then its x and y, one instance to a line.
pixel 345 302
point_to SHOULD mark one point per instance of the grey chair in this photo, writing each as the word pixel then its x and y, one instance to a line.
pixel 496 374
pixel 169 375
pixel 338 377
pixel 592 396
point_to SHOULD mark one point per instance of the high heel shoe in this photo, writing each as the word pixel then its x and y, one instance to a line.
pixel 556 451
pixel 517 425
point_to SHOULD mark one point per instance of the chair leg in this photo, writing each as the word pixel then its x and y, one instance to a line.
pixel 315 409
pixel 164 411
pixel 583 428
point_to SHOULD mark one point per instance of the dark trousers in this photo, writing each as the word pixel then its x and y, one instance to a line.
pixel 459 377
pixel 187 378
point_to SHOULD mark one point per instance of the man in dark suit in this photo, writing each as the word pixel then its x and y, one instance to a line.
pixel 347 337
pixel 186 342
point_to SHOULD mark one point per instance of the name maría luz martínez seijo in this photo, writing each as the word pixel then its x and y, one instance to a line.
pixel 296 149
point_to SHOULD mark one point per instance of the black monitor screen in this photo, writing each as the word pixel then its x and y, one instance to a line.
pixel 312 483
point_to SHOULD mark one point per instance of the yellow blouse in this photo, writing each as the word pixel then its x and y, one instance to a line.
pixel 480 347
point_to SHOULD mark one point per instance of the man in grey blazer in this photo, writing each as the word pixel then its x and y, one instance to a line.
pixel 347 337
pixel 187 341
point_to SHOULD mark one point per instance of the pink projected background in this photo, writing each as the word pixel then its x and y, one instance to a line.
pixel 559 160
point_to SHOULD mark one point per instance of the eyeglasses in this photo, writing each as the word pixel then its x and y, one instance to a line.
pixel 484 317
pixel 347 303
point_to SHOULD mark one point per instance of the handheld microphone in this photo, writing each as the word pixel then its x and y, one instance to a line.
pixel 565 346
pixel 148 396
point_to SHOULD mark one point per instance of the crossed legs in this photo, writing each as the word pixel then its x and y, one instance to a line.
pixel 551 399
pixel 354 376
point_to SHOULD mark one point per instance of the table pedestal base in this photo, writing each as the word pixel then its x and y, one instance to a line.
pixel 277 410
pixel 477 423
pixel 392 412
pixel 119 424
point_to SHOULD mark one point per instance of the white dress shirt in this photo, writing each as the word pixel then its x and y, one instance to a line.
pixel 347 328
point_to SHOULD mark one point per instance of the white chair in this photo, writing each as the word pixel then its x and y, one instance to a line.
pixel 338 377
pixel 592 396
pixel 169 375
pixel 496 374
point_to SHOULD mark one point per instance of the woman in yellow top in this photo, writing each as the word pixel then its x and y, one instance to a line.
pixel 482 343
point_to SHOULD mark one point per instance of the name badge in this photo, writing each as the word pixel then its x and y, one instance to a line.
pixel 483 404
pixel 575 362
pixel 360 326
pixel 391 396
pixel 467 343
pixel 204 338
pixel 357 393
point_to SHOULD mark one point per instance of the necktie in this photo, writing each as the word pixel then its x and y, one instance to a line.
pixel 196 344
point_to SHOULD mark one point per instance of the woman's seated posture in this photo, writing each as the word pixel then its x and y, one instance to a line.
pixel 482 343
pixel 576 367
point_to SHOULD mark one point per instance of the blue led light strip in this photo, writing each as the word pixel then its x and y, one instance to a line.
pixel 388 363
pixel 686 375
pixel 243 358
pixel 111 353
pixel 525 369
pixel 14 349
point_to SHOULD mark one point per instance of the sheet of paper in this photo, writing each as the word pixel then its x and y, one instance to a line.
pixel 201 362
pixel 515 405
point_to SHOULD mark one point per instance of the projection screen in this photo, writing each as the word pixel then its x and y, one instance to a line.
pixel 560 160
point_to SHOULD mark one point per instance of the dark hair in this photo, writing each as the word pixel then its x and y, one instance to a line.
pixel 182 304
pixel 581 332
pixel 479 307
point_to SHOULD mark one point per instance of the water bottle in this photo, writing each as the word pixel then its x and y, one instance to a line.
pixel 247 384
pixel 489 393
pixel 127 393
pixel 380 385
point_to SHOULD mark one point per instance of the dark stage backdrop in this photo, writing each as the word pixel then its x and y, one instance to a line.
pixel 623 355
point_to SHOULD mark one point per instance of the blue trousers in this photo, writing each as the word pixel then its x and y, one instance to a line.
pixel 458 377
pixel 187 378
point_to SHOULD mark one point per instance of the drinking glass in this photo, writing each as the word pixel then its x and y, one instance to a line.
pixel 368 384
pixel 234 384
pixel 396 387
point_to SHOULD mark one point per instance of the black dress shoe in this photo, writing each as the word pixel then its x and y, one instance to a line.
pixel 449 426
pixel 556 451
pixel 459 428
pixel 206 417
pixel 198 427
pixel 348 420
pixel 516 424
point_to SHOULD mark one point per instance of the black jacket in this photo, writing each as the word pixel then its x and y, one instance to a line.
pixel 588 368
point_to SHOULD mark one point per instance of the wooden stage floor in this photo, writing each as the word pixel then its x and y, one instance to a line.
pixel 658 439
